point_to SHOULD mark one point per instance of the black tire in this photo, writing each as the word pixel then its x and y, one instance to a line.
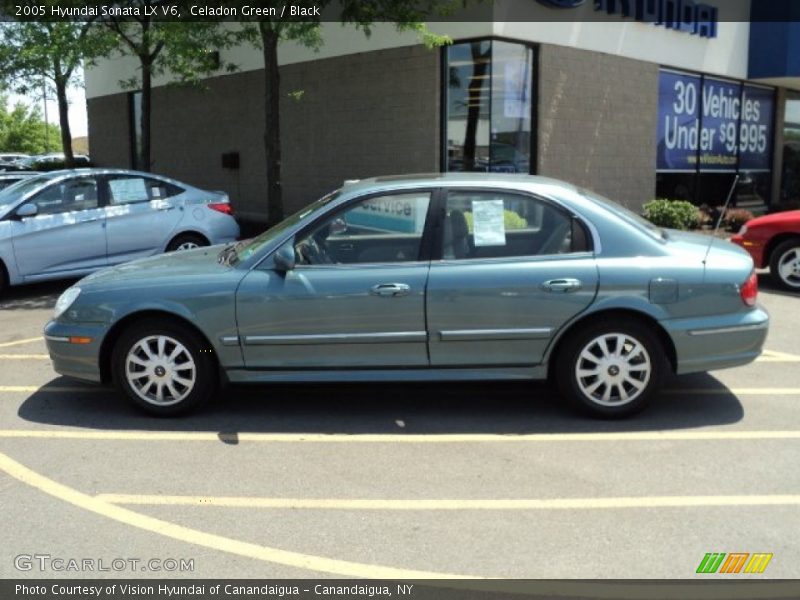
pixel 187 241
pixel 156 376
pixel 782 253
pixel 633 381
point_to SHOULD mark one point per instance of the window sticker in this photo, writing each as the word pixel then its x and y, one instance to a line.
pixel 128 190
pixel 488 224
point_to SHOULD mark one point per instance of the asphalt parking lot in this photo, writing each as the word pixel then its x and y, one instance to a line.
pixel 376 480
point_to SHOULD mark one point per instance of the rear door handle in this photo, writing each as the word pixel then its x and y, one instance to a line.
pixel 391 289
pixel 562 285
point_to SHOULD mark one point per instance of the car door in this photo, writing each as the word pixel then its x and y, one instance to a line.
pixel 141 213
pixel 67 234
pixel 512 269
pixel 356 297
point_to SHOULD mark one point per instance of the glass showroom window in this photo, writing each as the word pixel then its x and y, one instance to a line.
pixel 488 88
pixel 710 130
pixel 790 175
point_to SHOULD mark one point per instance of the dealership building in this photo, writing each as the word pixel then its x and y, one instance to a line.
pixel 632 99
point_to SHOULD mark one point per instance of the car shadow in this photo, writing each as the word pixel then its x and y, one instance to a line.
pixel 34 295
pixel 767 284
pixel 429 408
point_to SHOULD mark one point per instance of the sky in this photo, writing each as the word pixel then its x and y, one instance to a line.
pixel 77 109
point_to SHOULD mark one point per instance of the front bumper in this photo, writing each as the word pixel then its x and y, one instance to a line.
pixel 709 343
pixel 79 360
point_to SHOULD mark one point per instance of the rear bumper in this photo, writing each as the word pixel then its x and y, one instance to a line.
pixel 706 344
pixel 81 361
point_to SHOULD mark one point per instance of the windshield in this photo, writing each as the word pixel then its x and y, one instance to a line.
pixel 247 248
pixel 626 214
pixel 14 192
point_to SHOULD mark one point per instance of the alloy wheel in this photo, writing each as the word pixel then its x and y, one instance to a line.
pixel 613 369
pixel 160 370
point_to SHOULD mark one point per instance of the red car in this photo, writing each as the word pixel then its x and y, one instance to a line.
pixel 774 241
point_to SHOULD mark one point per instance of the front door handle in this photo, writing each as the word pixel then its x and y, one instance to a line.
pixel 391 289
pixel 562 285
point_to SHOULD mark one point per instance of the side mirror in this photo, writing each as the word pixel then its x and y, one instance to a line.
pixel 284 257
pixel 29 209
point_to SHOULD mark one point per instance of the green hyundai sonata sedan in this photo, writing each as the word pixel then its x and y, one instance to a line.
pixel 422 278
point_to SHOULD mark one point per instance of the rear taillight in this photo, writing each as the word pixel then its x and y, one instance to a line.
pixel 222 207
pixel 749 290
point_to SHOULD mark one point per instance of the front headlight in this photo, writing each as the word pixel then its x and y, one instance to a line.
pixel 65 300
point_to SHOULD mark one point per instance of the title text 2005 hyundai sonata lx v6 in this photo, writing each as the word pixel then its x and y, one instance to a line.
pixel 442 277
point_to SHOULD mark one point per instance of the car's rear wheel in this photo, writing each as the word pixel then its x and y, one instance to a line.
pixel 164 368
pixel 187 241
pixel 784 264
pixel 611 369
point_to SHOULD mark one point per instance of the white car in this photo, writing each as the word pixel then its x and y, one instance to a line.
pixel 69 223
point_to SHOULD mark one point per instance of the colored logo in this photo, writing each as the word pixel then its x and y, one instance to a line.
pixel 562 3
pixel 734 563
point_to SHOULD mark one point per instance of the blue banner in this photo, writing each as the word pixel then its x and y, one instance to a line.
pixel 712 125
pixel 678 121
pixel 719 125
pixel 755 130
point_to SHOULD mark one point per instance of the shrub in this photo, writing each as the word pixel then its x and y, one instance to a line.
pixel 736 217
pixel 674 214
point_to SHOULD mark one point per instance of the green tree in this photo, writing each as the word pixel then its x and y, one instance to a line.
pixel 48 55
pixel 23 130
pixel 186 51
pixel 267 34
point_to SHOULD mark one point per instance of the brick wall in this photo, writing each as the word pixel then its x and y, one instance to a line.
pixel 597 122
pixel 358 116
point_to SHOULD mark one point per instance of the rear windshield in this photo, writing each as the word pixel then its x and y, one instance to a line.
pixel 626 214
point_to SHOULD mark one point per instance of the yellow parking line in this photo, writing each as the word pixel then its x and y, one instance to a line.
pixel 775 356
pixel 20 342
pixel 24 356
pixel 407 438
pixel 453 503
pixel 208 540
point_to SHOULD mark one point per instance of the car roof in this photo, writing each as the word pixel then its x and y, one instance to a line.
pixel 107 171
pixel 457 179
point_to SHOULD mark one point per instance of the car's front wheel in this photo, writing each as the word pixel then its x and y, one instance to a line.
pixel 611 369
pixel 164 368
pixel 784 264
pixel 186 241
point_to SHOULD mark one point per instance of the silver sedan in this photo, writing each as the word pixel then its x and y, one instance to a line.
pixel 69 223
